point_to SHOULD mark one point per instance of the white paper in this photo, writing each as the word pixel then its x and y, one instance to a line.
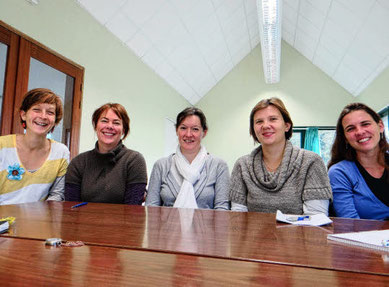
pixel 315 220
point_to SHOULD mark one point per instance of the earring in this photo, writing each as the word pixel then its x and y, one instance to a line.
pixel 347 145
pixel 381 136
pixel 24 125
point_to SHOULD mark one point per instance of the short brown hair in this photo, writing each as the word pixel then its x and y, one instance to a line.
pixel 192 111
pixel 42 96
pixel 119 110
pixel 277 103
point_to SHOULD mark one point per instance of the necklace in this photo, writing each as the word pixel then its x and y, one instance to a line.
pixel 269 168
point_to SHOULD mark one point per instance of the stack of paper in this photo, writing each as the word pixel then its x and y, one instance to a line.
pixel 4 225
pixel 376 239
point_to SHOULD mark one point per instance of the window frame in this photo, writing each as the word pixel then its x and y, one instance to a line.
pixel 21 49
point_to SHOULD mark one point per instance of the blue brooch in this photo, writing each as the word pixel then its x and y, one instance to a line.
pixel 15 172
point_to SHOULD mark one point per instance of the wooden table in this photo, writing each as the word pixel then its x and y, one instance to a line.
pixel 254 237
pixel 27 262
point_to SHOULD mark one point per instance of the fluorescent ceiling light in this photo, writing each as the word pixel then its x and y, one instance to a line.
pixel 33 1
pixel 269 19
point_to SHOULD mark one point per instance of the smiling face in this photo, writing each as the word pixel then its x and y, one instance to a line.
pixel 361 131
pixel 109 130
pixel 269 126
pixel 190 134
pixel 39 119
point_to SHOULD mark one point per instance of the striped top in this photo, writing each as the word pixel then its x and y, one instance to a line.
pixel 18 185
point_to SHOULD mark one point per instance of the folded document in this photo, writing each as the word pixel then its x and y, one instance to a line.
pixel 310 220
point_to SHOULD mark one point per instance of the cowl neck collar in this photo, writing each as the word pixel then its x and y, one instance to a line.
pixel 273 181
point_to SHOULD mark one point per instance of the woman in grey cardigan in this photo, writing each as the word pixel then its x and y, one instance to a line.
pixel 191 177
pixel 277 175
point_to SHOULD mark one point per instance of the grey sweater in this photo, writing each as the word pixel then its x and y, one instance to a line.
pixel 211 190
pixel 301 176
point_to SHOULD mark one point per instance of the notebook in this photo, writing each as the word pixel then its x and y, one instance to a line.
pixel 376 239
pixel 4 225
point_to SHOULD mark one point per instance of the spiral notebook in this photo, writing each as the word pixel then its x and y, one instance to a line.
pixel 376 239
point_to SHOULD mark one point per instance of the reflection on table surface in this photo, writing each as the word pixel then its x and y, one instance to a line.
pixel 221 234
pixel 30 262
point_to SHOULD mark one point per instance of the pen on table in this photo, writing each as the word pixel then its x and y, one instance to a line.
pixel 298 218
pixel 80 204
pixel 306 217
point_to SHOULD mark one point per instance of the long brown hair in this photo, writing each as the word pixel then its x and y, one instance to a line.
pixel 341 150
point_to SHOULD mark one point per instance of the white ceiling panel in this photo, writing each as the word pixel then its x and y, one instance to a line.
pixel 122 27
pixel 325 60
pixel 307 28
pixel 344 18
pixel 321 5
pixel 140 11
pixel 161 24
pixel 193 44
pixel 102 10
pixel 357 7
pixel 312 14
pixel 140 44
pixel 294 4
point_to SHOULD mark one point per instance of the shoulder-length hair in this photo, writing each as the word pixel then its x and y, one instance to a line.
pixel 119 110
pixel 277 103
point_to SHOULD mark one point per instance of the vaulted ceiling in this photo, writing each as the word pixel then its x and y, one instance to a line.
pixel 193 44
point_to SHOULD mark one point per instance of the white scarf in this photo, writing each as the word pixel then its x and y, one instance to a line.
pixel 190 173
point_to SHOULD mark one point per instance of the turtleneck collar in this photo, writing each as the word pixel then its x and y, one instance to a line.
pixel 111 155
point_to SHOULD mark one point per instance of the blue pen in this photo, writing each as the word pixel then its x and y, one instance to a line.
pixel 306 217
pixel 80 204
pixel 298 218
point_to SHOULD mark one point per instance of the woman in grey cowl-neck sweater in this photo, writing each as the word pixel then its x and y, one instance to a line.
pixel 277 175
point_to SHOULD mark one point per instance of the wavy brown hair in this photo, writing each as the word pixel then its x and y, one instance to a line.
pixel 341 150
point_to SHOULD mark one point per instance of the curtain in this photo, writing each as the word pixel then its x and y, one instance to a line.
pixel 312 141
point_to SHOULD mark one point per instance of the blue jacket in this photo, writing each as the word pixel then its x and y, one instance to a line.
pixel 352 196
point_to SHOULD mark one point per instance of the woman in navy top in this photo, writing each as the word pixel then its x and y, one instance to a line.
pixel 359 165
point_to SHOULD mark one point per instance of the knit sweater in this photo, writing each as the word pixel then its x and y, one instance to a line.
pixel 104 177
pixel 300 177
pixel 211 190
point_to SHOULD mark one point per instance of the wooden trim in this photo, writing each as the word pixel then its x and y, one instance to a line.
pixel 76 114
pixel 53 60
pixel 22 82
pixel 10 85
pixel 5 35
pixel 22 35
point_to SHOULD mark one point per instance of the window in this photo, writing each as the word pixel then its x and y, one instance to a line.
pixel 26 64
pixel 326 139
pixel 384 114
